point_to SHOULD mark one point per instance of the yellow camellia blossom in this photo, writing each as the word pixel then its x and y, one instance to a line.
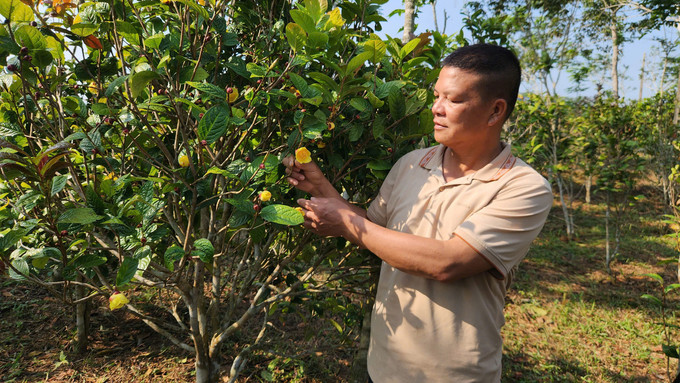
pixel 265 196
pixel 231 97
pixel 303 155
pixel 93 88
pixel 300 210
pixel 117 300
pixel 321 144
pixel 111 176
pixel 331 125
pixel 184 160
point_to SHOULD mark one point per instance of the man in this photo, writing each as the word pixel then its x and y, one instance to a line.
pixel 450 223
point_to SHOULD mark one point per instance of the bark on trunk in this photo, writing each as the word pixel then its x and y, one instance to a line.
pixel 642 77
pixel 82 319
pixel 615 55
pixel 409 18
pixel 589 184
pixel 434 15
pixel 565 210
pixel 676 115
pixel 606 228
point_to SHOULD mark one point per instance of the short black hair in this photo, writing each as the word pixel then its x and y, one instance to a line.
pixel 498 66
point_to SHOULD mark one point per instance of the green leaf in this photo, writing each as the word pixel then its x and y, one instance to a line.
pixel 22 266
pixel 84 29
pixel 30 37
pixel 336 325
pixel 379 125
pixel 317 40
pixel 316 8
pixel 210 89
pixel 656 277
pixel 357 61
pixel 16 11
pixel 11 238
pixel 416 102
pixel 377 49
pixel 214 123
pixel 396 101
pixel 379 165
pixel 128 32
pixel 81 216
pixel 58 184
pixel 325 80
pixel 296 36
pixel 115 84
pixel 223 172
pixel 672 287
pixel 140 80
pixel 385 88
pixel 205 249
pixel 126 271
pixel 42 58
pixel 89 260
pixel 172 254
pixel 154 41
pixel 670 351
pixel 195 7
pixel 652 298
pixel 243 205
pixel 408 48
pixel 360 104
pixel 303 20
pixel 282 214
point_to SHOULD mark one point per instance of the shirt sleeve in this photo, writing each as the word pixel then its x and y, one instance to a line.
pixel 377 210
pixel 503 230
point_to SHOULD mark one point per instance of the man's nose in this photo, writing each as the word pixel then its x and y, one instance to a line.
pixel 437 107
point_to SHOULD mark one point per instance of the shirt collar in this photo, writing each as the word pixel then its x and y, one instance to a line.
pixel 492 171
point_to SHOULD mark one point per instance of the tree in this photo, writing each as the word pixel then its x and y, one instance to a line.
pixel 142 147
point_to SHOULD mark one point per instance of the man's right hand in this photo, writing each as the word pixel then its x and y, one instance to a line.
pixel 308 178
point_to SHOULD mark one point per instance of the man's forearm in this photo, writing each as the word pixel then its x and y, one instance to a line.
pixel 444 261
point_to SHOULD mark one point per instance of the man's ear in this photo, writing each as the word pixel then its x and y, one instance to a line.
pixel 498 109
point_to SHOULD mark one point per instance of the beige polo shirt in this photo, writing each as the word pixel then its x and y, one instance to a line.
pixel 428 331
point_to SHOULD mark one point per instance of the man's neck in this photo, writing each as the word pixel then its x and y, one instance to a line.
pixel 460 162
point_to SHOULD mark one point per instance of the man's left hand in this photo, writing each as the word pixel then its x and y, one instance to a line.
pixel 327 217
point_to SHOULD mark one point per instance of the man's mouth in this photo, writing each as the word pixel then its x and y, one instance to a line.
pixel 439 126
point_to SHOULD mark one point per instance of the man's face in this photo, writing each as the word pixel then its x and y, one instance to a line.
pixel 461 115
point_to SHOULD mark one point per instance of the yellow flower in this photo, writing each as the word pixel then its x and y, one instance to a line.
pixel 321 144
pixel 111 176
pixel 202 2
pixel 231 97
pixel 117 300
pixel 300 210
pixel 184 160
pixel 93 87
pixel 331 125
pixel 265 196
pixel 303 155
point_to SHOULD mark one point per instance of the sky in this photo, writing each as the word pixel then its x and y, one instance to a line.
pixel 629 63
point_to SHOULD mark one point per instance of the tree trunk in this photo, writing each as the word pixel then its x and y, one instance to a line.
pixel 409 20
pixel 606 228
pixel 589 184
pixel 615 54
pixel 676 115
pixel 82 318
pixel 434 15
pixel 642 77
pixel 565 210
